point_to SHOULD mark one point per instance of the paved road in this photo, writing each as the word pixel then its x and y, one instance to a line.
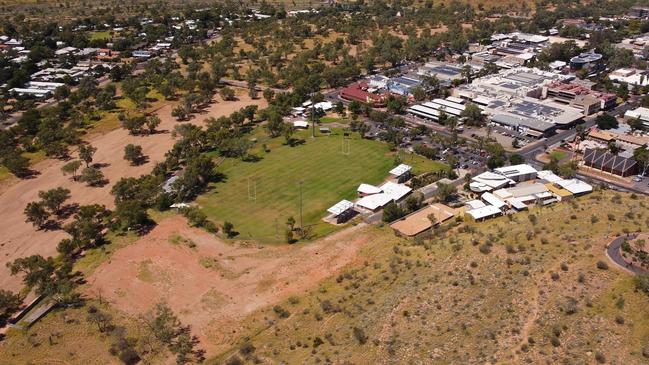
pixel 613 253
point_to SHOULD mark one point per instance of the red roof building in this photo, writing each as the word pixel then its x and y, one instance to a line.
pixel 361 92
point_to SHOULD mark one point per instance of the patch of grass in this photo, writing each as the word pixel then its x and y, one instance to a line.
pixel 96 256
pixel 325 120
pixel 99 35
pixel 327 175
pixel 558 155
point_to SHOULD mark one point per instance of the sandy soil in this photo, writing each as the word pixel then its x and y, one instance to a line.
pixel 214 285
pixel 20 239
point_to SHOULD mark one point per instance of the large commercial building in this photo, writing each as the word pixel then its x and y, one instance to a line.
pixel 511 99
pixel 445 73
pixel 579 97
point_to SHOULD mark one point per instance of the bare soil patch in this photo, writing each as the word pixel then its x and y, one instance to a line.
pixel 210 284
pixel 20 239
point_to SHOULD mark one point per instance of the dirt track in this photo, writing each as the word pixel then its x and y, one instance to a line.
pixel 214 285
pixel 20 239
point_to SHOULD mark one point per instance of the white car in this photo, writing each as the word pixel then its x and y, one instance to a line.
pixel 637 178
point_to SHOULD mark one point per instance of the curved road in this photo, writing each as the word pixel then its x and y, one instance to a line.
pixel 613 253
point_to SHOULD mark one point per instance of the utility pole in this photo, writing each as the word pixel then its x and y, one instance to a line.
pixel 301 218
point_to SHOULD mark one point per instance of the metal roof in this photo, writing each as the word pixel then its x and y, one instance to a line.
pixel 340 207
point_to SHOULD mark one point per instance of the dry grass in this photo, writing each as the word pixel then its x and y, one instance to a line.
pixel 444 301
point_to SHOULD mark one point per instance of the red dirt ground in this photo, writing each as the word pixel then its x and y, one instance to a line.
pixel 20 239
pixel 213 300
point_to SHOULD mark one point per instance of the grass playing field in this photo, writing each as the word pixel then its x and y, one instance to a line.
pixel 328 176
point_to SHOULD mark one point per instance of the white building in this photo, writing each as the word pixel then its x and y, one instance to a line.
pixel 518 173
pixel 486 212
pixel 630 76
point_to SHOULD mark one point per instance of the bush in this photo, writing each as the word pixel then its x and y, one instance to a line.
pixel 555 341
pixel 485 249
pixel 360 336
pixel 600 357
pixel 602 265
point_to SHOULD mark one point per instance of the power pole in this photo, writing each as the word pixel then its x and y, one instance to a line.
pixel 301 217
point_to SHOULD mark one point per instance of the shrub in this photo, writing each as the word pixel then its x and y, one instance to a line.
pixel 360 336
pixel 485 249
pixel 555 341
pixel 602 265
pixel 600 357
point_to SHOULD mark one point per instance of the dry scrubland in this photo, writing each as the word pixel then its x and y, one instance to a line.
pixel 512 290
pixel 506 291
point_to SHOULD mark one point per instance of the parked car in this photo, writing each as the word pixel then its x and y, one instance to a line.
pixel 637 178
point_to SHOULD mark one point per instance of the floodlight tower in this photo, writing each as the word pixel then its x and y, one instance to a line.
pixel 301 182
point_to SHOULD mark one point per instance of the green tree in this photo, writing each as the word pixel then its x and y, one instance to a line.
pixel 133 154
pixel 152 122
pixel 606 121
pixel 131 215
pixel 227 94
pixel 36 214
pixel 445 192
pixel 228 229
pixel 71 168
pixel 392 212
pixel 9 304
pixel 92 176
pixel 473 115
pixel 17 164
pixel 86 153
pixel 53 199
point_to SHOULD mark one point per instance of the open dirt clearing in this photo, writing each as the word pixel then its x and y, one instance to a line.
pixel 213 285
pixel 20 239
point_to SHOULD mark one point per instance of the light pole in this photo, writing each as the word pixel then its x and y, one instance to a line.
pixel 301 218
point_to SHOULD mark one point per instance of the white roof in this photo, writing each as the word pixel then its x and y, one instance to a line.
pixel 340 207
pixel 522 191
pixel 484 212
pixel 374 201
pixel 493 200
pixel 575 186
pixel 479 187
pixel 549 176
pixel 492 180
pixel 516 170
pixel 324 105
pixel 179 205
pixel 400 170
pixel 368 189
pixel 395 191
pixel 516 203
pixel 475 204
pixel 300 124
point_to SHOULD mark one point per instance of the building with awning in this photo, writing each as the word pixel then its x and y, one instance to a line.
pixel 402 172
pixel 341 211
